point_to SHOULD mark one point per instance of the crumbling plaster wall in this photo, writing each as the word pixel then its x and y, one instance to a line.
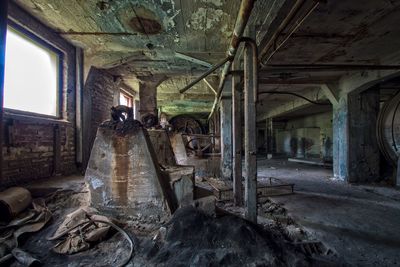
pixel 36 147
pixel 316 129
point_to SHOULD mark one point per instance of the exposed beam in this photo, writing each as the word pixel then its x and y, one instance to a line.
pixel 329 94
pixel 210 86
pixel 193 59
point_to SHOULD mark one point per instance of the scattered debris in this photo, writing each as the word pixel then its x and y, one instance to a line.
pixel 194 238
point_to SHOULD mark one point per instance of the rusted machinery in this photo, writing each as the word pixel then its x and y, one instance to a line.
pixel 388 133
pixel 199 150
pixel 124 173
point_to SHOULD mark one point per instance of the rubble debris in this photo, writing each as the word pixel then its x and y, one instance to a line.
pixel 25 221
pixel 194 238
pixel 13 201
pixel 25 258
pixel 79 239
pixel 84 228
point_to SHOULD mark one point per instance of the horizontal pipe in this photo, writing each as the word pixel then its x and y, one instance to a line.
pixel 198 79
pixel 327 67
pixel 98 33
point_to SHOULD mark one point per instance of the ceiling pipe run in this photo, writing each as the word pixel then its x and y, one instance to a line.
pixel 327 67
pixel 296 95
pixel 242 18
pixel 252 43
pixel 204 75
pixel 298 23
pixel 288 19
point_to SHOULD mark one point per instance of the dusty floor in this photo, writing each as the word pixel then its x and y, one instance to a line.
pixel 360 223
pixel 190 238
pixel 357 225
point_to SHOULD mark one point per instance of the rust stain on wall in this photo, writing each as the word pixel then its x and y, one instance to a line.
pixel 119 183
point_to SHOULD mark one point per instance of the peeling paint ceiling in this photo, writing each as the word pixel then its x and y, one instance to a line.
pixel 140 37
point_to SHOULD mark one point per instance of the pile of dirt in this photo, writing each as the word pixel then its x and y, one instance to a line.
pixel 195 239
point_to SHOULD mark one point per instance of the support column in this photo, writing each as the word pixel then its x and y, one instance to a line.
pixel 250 87
pixel 340 139
pixel 148 94
pixel 237 141
pixel 356 153
pixel 3 31
pixel 364 154
pixel 226 131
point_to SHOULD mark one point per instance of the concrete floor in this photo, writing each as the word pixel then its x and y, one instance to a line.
pixel 360 223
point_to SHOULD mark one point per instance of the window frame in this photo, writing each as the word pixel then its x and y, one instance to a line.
pixel 35 39
pixel 124 92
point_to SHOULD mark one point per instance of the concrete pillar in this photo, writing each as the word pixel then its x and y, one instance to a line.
pixel 226 131
pixel 237 141
pixel 340 139
pixel 355 147
pixel 3 31
pixel 364 154
pixel 250 83
pixel 148 94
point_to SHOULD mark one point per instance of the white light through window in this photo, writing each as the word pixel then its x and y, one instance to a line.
pixel 31 75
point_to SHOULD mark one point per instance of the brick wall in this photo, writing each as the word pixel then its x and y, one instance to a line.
pixel 36 147
pixel 101 92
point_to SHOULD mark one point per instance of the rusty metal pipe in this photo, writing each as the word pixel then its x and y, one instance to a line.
pixel 288 19
pixel 253 45
pixel 241 21
pixel 327 67
pixel 214 68
pixel 298 24
pixel 254 49
pixel 242 18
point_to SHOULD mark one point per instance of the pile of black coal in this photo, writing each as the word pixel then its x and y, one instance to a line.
pixel 193 238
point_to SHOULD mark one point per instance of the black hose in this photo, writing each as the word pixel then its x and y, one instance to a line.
pixel 294 94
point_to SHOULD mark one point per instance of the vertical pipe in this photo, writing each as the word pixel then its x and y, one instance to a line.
pixel 237 140
pixel 226 132
pixel 250 88
pixel 3 31
pixel 78 104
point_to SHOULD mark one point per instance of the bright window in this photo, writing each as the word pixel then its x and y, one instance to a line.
pixel 31 75
pixel 125 99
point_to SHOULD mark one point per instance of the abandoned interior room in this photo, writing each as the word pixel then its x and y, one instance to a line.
pixel 199 133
